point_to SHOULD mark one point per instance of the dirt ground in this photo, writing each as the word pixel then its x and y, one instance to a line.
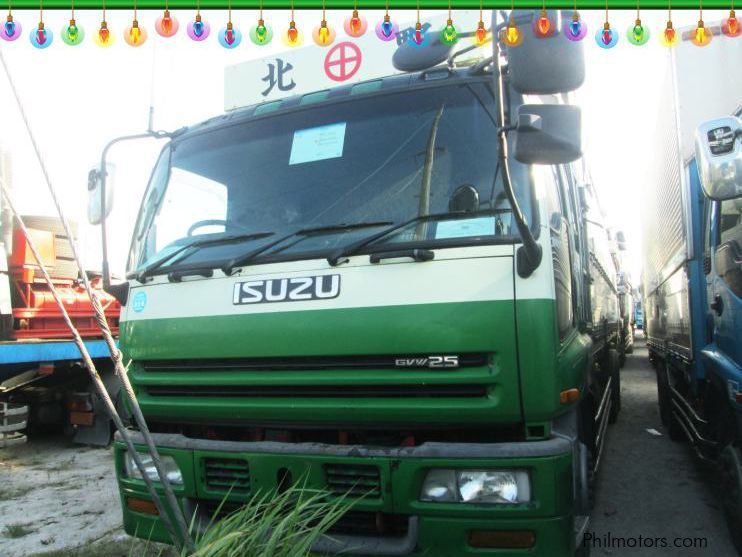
pixel 650 486
pixel 60 500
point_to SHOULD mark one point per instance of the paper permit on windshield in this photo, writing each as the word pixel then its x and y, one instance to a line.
pixel 465 228
pixel 316 144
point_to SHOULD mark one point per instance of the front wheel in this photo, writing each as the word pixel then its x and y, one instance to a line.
pixel 730 470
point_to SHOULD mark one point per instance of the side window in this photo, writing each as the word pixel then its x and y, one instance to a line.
pixel 560 253
pixel 729 245
pixel 707 216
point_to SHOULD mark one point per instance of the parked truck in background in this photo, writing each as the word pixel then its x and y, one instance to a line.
pixel 350 289
pixel 42 381
pixel 692 269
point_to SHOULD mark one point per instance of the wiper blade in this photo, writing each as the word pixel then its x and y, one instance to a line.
pixel 341 226
pixel 249 256
pixel 157 264
pixel 342 254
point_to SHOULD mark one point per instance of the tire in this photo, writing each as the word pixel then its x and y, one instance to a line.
pixel 630 348
pixel 664 399
pixel 615 374
pixel 730 473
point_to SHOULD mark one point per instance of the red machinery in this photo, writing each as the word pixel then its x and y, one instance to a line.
pixel 35 313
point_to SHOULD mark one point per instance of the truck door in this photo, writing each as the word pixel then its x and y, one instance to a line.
pixel 725 278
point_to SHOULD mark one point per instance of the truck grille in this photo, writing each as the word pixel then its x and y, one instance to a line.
pixel 227 475
pixel 317 391
pixel 299 363
pixel 353 479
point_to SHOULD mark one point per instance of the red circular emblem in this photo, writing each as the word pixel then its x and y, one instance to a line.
pixel 343 61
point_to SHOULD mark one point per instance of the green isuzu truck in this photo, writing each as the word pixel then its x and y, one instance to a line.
pixel 391 290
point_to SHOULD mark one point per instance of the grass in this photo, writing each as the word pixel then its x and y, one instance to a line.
pixel 17 531
pixel 272 525
pixel 12 492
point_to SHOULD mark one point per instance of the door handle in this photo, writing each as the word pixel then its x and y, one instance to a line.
pixel 717 305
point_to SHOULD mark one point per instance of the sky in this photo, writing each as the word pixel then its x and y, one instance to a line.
pixel 78 98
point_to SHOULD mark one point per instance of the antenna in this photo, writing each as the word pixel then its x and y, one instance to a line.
pixel 151 114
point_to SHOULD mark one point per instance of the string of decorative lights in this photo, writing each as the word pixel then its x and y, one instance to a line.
pixel 355 26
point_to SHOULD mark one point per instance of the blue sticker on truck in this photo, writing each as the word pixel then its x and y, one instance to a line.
pixel 139 302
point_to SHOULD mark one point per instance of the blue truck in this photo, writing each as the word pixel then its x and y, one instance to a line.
pixel 693 264
pixel 43 383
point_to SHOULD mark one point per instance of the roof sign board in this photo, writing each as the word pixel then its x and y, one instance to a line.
pixel 311 68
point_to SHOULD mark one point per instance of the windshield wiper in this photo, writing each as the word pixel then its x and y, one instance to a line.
pixel 249 256
pixel 157 264
pixel 342 254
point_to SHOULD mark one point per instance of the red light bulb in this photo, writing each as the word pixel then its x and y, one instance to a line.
pixel 544 24
pixel 355 22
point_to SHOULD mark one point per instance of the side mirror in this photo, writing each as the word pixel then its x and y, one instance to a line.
pixel 548 134
pixel 412 58
pixel 545 66
pixel 621 240
pixel 95 205
pixel 719 157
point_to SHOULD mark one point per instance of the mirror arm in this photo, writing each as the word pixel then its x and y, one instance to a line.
pixel 528 256
pixel 102 177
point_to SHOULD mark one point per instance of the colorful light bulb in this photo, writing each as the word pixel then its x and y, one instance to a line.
pixel 261 34
pixel 72 34
pixel 323 35
pixel 11 29
pixel 386 30
pixel 511 35
pixel 230 36
pixel 542 25
pixel 575 29
pixel 669 36
pixel 41 37
pixel 355 25
pixel 731 26
pixel 418 37
pixel 104 38
pixel 638 34
pixel 135 35
pixel 293 37
pixel 167 25
pixel 606 37
pixel 703 35
pixel 480 35
pixel 448 33
pixel 198 29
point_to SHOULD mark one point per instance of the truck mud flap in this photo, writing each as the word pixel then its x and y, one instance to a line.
pixel 13 419
pixel 601 421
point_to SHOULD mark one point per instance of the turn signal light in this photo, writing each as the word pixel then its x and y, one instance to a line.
pixel 569 396
pixel 141 506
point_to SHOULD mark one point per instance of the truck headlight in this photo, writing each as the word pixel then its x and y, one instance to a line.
pixel 169 467
pixel 476 486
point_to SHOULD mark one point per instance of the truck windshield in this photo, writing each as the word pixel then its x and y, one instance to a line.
pixel 369 160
